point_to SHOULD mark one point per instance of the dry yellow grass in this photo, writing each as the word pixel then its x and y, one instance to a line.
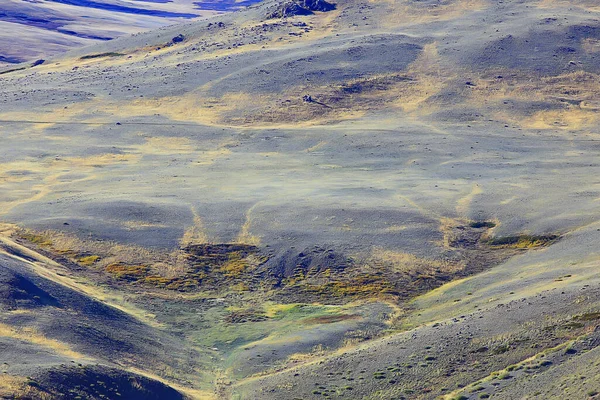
pixel 100 254
pixel 32 336
pixel 464 203
pixel 573 94
pixel 48 175
pixel 404 262
pixel 245 236
pixel 427 83
pixel 17 387
pixel 195 233
pixel 591 45
pixel 590 5
pixel 569 119
pixel 9 385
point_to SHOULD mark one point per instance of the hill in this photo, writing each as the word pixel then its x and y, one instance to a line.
pixel 309 199
pixel 31 31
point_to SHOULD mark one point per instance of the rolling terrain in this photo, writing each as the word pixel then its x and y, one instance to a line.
pixel 306 200
pixel 33 30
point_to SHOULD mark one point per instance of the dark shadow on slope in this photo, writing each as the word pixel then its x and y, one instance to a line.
pixel 100 382
pixel 87 325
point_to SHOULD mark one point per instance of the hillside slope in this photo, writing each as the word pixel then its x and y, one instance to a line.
pixel 31 31
pixel 392 199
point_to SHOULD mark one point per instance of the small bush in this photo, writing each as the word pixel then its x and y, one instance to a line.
pixel 588 316
pixel 482 224
pixel 100 55
pixel 523 241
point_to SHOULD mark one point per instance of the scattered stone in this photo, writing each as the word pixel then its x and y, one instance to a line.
pixel 178 39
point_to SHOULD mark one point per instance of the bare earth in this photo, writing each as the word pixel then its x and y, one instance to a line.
pixel 387 200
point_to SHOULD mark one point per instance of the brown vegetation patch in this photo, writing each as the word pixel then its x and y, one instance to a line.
pixel 128 272
pixel 332 102
pixel 323 277
pixel 100 55
pixel 591 316
pixel 330 319
pixel 522 241
pixel 242 316
pixel 398 277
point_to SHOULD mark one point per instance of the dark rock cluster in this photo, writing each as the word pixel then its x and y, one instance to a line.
pixel 290 8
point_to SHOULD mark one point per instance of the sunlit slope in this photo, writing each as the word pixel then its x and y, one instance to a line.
pixel 318 181
pixel 38 30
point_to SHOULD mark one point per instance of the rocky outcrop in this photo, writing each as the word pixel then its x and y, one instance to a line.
pixel 290 8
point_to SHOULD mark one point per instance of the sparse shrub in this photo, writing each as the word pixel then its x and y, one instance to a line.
pixel 88 261
pixel 573 325
pixel 522 241
pixel 128 272
pixel 379 375
pixel 501 349
pixel 100 55
pixel 588 316
pixel 482 224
